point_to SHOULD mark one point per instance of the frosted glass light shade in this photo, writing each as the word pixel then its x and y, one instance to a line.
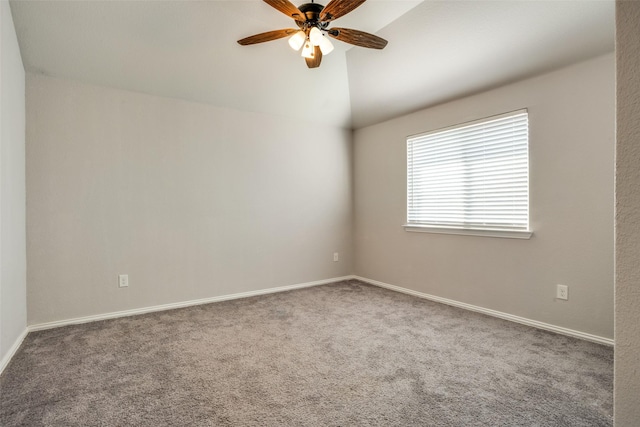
pixel 307 50
pixel 326 47
pixel 297 40
pixel 315 36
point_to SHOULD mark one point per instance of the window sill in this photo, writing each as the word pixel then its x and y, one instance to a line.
pixel 505 234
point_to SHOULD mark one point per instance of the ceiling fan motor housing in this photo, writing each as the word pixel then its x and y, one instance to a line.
pixel 312 13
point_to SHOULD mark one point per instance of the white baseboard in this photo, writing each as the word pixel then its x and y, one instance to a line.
pixel 494 313
pixel 171 306
pixel 12 351
pixel 79 320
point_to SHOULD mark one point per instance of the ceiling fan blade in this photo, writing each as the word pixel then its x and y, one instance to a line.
pixel 337 8
pixel 286 7
pixel 317 58
pixel 267 37
pixel 357 37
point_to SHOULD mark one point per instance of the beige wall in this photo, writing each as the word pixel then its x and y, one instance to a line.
pixel 627 354
pixel 192 201
pixel 571 113
pixel 13 304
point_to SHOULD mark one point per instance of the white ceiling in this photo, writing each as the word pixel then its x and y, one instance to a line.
pixel 444 50
pixel 438 50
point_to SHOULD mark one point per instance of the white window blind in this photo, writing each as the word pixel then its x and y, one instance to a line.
pixel 471 176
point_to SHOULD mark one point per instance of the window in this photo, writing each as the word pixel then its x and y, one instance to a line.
pixel 471 178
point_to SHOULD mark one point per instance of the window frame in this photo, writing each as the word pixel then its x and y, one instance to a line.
pixel 461 228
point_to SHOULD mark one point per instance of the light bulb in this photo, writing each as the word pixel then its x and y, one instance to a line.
pixel 326 47
pixel 308 50
pixel 297 40
pixel 315 36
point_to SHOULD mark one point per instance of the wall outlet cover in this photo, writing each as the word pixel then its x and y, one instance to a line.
pixel 562 292
pixel 123 280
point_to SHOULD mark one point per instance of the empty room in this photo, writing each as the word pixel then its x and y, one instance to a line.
pixel 331 213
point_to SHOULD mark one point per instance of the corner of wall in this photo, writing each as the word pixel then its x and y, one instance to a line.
pixel 13 306
pixel 627 235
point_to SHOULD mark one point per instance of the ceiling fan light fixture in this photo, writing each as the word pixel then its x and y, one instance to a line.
pixel 314 29
pixel 326 47
pixel 315 36
pixel 307 50
pixel 297 40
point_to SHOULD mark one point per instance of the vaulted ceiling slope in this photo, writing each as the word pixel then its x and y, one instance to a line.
pixel 438 50
pixel 444 50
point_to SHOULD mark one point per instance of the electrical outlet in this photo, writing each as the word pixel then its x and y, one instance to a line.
pixel 123 280
pixel 562 292
pixel 336 257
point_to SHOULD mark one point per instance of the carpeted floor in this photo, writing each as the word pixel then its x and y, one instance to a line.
pixel 346 354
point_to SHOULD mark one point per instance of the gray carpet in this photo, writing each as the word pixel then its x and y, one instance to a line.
pixel 346 354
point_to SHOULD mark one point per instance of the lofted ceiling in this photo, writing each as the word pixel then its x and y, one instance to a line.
pixel 438 51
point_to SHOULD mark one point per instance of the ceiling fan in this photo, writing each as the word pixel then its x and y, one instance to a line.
pixel 313 20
